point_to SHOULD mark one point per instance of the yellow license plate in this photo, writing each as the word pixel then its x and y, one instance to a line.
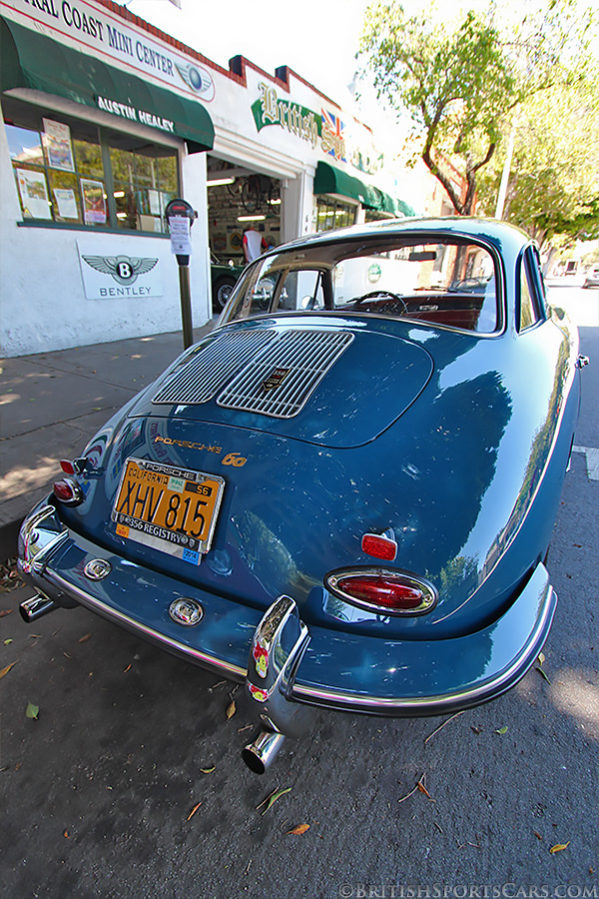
pixel 173 509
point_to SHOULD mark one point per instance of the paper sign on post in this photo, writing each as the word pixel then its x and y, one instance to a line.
pixel 180 228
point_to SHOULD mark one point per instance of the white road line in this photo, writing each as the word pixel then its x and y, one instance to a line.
pixel 592 457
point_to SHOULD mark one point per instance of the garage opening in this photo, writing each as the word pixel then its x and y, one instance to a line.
pixel 241 204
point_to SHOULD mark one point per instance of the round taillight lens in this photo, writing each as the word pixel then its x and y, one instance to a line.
pixel 67 491
pixel 387 591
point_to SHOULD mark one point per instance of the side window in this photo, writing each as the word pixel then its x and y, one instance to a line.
pixel 529 312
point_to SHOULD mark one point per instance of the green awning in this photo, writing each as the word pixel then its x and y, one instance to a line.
pixel 331 180
pixel 31 60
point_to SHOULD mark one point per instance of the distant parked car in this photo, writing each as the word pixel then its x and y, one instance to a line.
pixel 342 496
pixel 224 277
pixel 592 278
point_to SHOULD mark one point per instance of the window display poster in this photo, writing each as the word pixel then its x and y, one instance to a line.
pixel 154 199
pixel 57 141
pixel 34 194
pixel 66 203
pixel 94 202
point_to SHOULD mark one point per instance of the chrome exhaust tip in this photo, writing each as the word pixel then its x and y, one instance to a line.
pixel 34 608
pixel 261 753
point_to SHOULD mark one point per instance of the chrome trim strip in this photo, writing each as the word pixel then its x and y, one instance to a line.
pixel 353 702
pixel 96 605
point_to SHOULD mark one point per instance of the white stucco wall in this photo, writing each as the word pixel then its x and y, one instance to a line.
pixel 42 299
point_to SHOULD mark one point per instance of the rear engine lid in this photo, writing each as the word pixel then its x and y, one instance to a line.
pixel 337 386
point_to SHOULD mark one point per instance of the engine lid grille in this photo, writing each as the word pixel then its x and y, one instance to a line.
pixel 269 371
pixel 283 376
pixel 202 377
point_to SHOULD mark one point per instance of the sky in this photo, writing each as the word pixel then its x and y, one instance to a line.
pixel 318 39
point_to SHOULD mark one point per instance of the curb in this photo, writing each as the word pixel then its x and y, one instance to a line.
pixel 9 534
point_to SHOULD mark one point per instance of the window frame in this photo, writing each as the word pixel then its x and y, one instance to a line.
pixel 526 271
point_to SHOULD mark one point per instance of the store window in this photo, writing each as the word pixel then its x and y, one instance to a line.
pixel 69 171
pixel 332 213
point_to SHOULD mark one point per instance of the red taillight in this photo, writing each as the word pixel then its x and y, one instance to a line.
pixel 383 590
pixel 379 546
pixel 67 466
pixel 67 491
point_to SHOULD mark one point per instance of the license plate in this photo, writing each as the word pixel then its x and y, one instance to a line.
pixel 172 509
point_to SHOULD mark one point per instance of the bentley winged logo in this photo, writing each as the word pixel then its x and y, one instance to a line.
pixel 124 269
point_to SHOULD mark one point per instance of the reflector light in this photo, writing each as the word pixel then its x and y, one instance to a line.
pixel 67 466
pixel 392 592
pixel 379 546
pixel 67 491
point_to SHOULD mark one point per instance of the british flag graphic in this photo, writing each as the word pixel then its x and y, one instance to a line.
pixel 332 128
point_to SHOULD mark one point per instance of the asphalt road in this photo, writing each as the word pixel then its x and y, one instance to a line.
pixel 129 782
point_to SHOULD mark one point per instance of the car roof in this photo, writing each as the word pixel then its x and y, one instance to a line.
pixel 500 234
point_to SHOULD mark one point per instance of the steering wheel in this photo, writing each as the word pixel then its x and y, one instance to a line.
pixel 374 294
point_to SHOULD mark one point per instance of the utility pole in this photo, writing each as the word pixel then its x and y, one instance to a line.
pixel 505 176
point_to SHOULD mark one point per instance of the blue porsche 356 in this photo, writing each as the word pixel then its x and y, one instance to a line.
pixel 344 494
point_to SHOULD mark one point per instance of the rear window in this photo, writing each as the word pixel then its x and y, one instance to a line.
pixel 445 282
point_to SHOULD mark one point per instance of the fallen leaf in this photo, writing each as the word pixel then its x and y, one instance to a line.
pixel 538 835
pixel 542 673
pixel 8 641
pixel 4 612
pixel 231 709
pixel 501 730
pixel 423 789
pixel 272 798
pixel 208 770
pixel 66 835
pixel 475 730
pixel 128 668
pixel 84 638
pixel 541 658
pixel 193 811
pixel 559 847
pixel 299 829
pixel 32 711
pixel 5 671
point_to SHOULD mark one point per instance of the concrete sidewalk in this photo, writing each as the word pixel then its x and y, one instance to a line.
pixel 51 404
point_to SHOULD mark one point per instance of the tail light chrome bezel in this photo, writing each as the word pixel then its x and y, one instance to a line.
pixel 75 493
pixel 334 582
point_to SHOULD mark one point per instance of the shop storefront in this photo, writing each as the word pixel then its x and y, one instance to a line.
pixel 104 120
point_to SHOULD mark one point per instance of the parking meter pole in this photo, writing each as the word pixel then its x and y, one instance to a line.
pixel 180 217
pixel 185 294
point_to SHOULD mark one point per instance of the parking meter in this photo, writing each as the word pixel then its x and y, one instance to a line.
pixel 180 216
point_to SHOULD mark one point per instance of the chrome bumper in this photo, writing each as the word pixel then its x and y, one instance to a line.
pixel 279 659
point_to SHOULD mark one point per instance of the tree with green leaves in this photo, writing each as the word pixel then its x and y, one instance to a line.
pixel 462 82
pixel 554 172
